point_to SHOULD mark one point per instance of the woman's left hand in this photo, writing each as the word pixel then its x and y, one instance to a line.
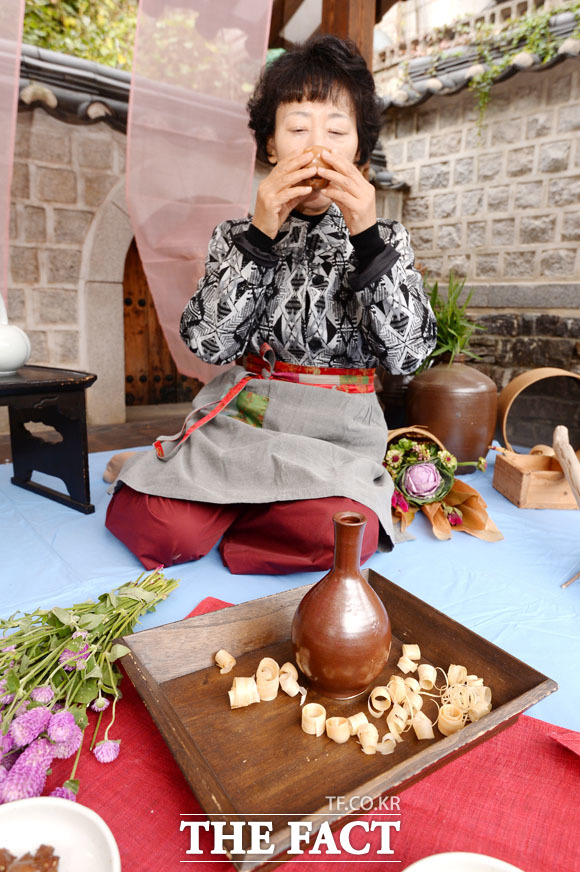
pixel 348 188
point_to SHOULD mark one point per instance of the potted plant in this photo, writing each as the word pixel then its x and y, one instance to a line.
pixel 454 401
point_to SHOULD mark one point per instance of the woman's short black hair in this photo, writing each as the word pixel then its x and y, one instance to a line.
pixel 319 69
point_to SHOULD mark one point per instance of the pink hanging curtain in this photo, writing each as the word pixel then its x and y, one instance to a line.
pixel 190 153
pixel 11 18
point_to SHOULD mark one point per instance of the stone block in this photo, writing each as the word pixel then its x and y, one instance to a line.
pixel 409 176
pixel 16 306
pixel 476 234
pixel 560 90
pixel 450 114
pixel 64 266
pixel 524 98
pixel 433 265
pixel 416 149
pixel 426 121
pixel 415 209
pixel 449 236
pixel 13 225
pixel 569 118
pixel 463 173
pixel 406 125
pixel 498 105
pixel 507 131
pixel 477 137
pixel 540 124
pixel 56 185
pixel 443 144
pixel 534 293
pixel 558 262
pixel 121 152
pixel 445 205
pixel 498 198
pixel 519 263
pixel 64 347
pixel 489 166
pixel 472 201
pixel 502 325
pixel 529 195
pixel 434 176
pixel 503 231
pixel 528 324
pixel 103 336
pixel 551 325
pixel 536 352
pixel 22 135
pixel 422 238
pixel 54 307
pixel 51 147
pixel 537 228
pixel 34 223
pixel 564 192
pixel 395 154
pixel 520 161
pixel 96 186
pixel 487 265
pixel 20 189
pixel 571 227
pixel 71 225
pixel 460 264
pixel 554 156
pixel 95 152
pixel 38 347
pixel 24 268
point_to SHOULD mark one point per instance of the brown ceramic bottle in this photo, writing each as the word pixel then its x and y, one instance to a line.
pixel 341 633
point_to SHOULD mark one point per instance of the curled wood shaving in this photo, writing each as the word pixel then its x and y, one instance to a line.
pixel 422 726
pixel 387 744
pixel 244 692
pixel 338 729
pixel 450 719
pixel 396 688
pixel 379 701
pixel 405 664
pixel 356 721
pixel 456 674
pixel 268 679
pixel 314 719
pixel 225 660
pixel 413 652
pixel 368 736
pixel 427 676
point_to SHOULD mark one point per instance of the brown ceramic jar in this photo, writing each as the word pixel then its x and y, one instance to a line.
pixel 459 405
pixel 341 633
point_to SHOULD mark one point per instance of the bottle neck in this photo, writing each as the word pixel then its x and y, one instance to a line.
pixel 347 546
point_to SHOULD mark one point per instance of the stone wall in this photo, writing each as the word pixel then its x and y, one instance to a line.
pixel 500 205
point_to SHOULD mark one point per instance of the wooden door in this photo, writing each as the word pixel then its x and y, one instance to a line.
pixel 151 376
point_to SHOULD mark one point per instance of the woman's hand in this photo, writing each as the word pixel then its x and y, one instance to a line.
pixel 281 192
pixel 348 188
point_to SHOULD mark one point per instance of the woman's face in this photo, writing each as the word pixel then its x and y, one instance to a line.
pixel 329 124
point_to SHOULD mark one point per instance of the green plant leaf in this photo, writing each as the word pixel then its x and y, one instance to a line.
pixel 116 652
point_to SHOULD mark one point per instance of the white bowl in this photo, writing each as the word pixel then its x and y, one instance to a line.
pixel 81 838
pixel 459 861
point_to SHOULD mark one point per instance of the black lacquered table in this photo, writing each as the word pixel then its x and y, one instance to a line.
pixel 56 399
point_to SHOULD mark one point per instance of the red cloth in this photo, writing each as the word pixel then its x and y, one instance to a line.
pixel 275 538
pixel 514 798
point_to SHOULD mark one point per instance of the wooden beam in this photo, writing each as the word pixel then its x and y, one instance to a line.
pixel 351 19
pixel 282 12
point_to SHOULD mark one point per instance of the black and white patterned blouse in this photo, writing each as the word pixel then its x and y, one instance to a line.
pixel 318 297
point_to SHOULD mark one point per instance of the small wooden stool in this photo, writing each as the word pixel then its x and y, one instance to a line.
pixel 55 398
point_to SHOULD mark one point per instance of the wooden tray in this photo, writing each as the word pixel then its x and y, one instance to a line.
pixel 256 763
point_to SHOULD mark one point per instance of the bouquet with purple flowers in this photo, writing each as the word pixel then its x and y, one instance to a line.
pixel 423 472
pixel 53 665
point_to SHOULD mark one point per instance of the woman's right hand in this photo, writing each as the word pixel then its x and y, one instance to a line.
pixel 281 191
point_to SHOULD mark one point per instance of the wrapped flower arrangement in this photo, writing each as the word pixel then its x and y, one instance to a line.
pixel 53 665
pixel 423 472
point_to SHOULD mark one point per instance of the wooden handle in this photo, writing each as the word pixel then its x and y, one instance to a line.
pixel 568 460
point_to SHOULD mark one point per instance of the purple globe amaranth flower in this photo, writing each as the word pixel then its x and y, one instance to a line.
pixel 64 793
pixel 8 648
pixel 70 660
pixel 79 634
pixel 62 726
pixel 6 744
pixel 6 699
pixel 28 775
pixel 422 480
pixel 107 751
pixel 29 725
pixel 66 748
pixel 42 694
pixel 100 704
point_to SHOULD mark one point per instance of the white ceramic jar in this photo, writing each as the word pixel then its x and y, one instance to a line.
pixel 14 344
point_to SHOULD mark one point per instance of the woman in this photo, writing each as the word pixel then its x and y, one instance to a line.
pixel 316 293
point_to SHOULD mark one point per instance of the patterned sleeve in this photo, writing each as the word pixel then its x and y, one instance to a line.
pixel 398 323
pixel 222 316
